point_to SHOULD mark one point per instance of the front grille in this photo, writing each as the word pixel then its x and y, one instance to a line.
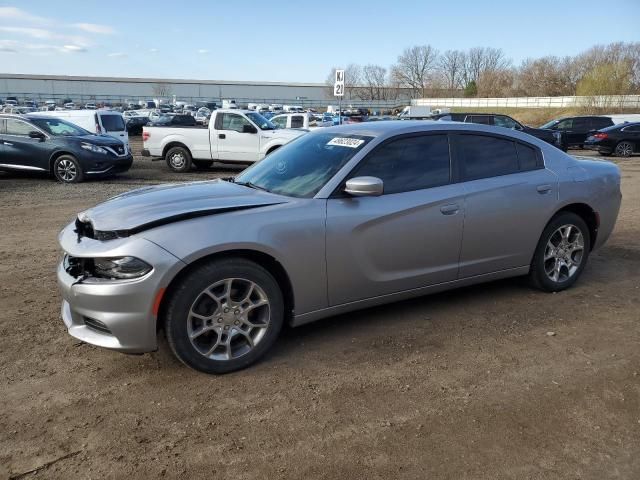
pixel 96 325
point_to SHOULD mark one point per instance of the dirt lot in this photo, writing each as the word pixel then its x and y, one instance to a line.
pixel 462 385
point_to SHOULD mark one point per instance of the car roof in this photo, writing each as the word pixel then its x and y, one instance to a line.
pixel 390 128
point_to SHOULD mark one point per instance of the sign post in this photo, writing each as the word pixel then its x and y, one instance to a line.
pixel 338 91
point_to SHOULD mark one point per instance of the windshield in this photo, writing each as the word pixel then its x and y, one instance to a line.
pixel 260 121
pixel 302 167
pixel 550 124
pixel 57 127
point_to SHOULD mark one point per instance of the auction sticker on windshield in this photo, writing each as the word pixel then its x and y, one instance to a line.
pixel 346 142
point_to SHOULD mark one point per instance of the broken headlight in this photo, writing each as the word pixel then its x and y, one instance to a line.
pixel 120 268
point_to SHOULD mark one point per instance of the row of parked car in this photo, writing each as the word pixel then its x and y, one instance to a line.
pixel 77 144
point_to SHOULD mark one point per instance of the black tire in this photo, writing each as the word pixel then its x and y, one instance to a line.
pixel 178 159
pixel 538 274
pixel 624 149
pixel 67 169
pixel 188 292
pixel 203 164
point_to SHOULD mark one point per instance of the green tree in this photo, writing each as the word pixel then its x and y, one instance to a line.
pixel 471 90
pixel 606 79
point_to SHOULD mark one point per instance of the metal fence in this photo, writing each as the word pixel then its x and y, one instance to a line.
pixel 599 101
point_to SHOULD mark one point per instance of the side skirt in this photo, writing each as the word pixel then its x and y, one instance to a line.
pixel 395 297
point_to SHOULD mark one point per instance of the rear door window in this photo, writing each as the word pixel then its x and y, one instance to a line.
pixel 297 121
pixel 482 156
pixel 600 122
pixel 18 127
pixel 581 125
pixel 482 119
pixel 112 123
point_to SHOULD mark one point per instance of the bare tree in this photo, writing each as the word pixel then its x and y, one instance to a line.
pixel 415 68
pixel 452 67
pixel 495 83
pixel 545 77
pixel 483 59
pixel 374 83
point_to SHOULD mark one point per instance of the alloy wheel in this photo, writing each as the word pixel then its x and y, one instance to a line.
pixel 564 253
pixel 67 170
pixel 228 319
pixel 624 149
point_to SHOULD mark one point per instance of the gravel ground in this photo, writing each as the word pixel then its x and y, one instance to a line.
pixel 489 382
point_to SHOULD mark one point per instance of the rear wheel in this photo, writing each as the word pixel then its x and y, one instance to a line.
pixel 561 254
pixel 224 315
pixel 203 164
pixel 179 159
pixel 624 149
pixel 67 169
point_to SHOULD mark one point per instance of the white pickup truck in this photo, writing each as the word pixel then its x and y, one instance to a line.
pixel 233 136
pixel 307 121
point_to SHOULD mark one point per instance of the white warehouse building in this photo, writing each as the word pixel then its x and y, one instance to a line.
pixel 119 90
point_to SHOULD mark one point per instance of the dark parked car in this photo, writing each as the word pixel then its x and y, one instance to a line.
pixel 622 140
pixel 135 124
pixel 174 120
pixel 499 120
pixel 45 144
pixel 575 130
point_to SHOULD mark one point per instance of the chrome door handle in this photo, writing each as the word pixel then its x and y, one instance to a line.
pixel 450 209
pixel 542 189
pixel 8 144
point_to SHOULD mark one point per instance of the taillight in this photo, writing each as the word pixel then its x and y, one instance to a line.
pixel 601 136
pixel 145 136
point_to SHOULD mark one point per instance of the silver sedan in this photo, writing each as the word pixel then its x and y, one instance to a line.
pixel 340 219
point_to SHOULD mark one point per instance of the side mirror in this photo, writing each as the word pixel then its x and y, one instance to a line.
pixel 36 134
pixel 249 129
pixel 364 187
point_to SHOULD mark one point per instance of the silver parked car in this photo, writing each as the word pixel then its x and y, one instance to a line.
pixel 340 219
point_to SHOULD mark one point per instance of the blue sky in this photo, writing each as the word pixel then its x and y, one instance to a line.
pixel 296 41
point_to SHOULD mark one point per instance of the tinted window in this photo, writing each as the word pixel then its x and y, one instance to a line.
pixel 58 127
pixel 581 124
pixel 566 124
pixel 527 158
pixel 112 123
pixel 599 122
pixel 483 119
pixel 231 121
pixel 17 127
pixel 411 163
pixel 631 128
pixel 483 156
pixel 505 122
pixel 297 121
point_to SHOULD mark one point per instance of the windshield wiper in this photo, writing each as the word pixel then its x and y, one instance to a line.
pixel 251 185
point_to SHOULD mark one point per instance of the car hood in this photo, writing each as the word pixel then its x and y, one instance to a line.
pixel 100 140
pixel 149 207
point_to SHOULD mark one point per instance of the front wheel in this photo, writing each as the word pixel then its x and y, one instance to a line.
pixel 224 315
pixel 561 254
pixel 624 149
pixel 179 159
pixel 67 169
